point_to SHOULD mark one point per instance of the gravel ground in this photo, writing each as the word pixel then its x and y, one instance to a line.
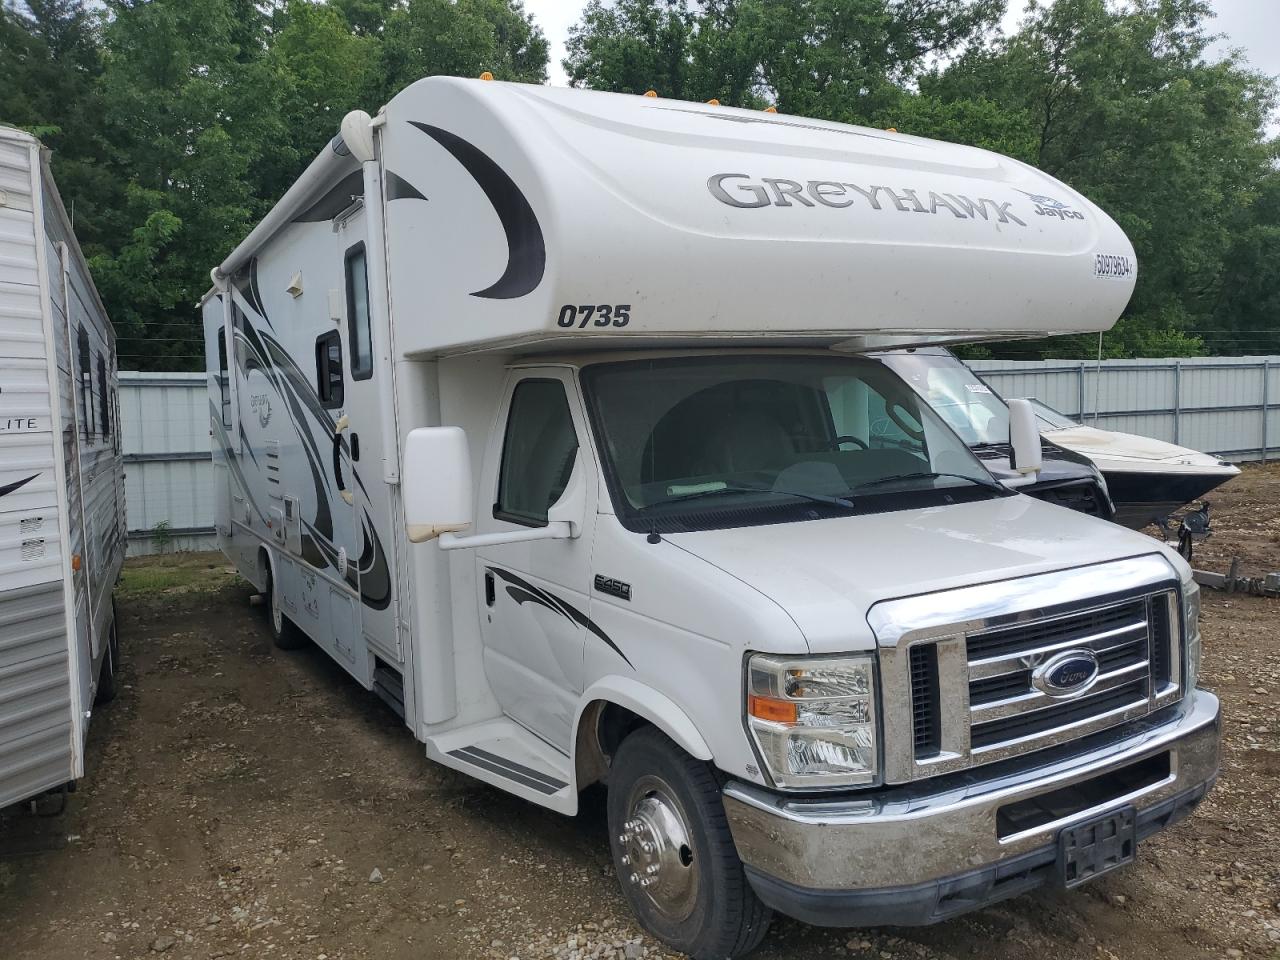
pixel 245 802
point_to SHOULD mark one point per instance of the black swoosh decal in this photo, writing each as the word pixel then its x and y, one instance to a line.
pixel 398 188
pixel 526 251
pixel 10 487
pixel 521 591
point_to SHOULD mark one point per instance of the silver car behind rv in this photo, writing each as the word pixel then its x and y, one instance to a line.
pixel 62 526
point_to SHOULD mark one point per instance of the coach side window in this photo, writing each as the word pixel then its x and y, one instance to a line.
pixel 329 370
pixel 358 314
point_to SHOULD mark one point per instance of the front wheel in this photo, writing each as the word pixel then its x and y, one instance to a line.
pixel 673 852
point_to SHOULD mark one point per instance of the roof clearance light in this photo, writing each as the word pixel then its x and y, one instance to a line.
pixel 486 75
pixel 714 102
pixel 770 109
pixel 651 93
pixel 890 129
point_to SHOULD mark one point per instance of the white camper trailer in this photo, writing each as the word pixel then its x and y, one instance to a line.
pixel 541 412
pixel 62 526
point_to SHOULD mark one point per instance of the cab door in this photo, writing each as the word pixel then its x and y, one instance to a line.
pixel 534 595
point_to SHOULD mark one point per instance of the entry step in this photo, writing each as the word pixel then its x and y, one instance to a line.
pixel 506 755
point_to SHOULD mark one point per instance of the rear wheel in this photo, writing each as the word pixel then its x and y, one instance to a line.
pixel 673 852
pixel 107 680
pixel 283 631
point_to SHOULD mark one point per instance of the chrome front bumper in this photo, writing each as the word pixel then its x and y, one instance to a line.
pixel 932 849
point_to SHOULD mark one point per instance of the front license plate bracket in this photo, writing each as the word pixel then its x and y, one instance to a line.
pixel 1097 846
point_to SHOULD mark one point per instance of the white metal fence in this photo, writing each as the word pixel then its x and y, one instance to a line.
pixel 164 430
pixel 1224 405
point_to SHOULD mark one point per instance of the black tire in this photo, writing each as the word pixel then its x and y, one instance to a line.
pixel 284 632
pixel 108 685
pixel 699 901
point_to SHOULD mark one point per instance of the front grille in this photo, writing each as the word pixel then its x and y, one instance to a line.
pixel 1081 497
pixel 1131 639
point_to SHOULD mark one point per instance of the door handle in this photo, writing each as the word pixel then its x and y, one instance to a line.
pixel 490 595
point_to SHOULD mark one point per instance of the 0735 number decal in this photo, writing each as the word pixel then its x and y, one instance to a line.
pixel 592 314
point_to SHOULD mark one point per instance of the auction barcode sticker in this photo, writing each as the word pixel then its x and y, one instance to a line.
pixel 1111 266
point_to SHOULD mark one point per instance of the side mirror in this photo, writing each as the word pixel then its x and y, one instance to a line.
pixel 436 482
pixel 1024 438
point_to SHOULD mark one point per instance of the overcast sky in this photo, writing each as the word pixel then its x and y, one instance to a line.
pixel 1253 25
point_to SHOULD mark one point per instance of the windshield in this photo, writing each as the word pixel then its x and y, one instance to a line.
pixel 1051 418
pixel 704 442
pixel 952 389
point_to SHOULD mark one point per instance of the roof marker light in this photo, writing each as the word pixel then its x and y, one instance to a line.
pixel 714 102
pixel 770 109
pixel 890 129
pixel 651 93
pixel 486 75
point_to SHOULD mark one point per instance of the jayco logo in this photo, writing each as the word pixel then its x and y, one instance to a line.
pixel 1049 207
pixel 742 190
pixel 260 403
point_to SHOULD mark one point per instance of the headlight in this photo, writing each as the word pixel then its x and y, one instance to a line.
pixel 814 720
pixel 1191 624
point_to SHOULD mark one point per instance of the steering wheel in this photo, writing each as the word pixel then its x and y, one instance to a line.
pixel 832 444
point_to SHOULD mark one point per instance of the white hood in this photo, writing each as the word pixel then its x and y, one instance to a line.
pixel 1106 447
pixel 828 573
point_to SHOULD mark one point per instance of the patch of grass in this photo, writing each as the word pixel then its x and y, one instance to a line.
pixel 174 573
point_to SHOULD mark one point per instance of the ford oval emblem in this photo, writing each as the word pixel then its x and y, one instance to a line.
pixel 1067 674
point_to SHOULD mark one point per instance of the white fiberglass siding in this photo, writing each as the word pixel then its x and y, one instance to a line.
pixel 36 725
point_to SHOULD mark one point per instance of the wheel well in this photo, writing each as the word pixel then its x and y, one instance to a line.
pixel 264 567
pixel 604 725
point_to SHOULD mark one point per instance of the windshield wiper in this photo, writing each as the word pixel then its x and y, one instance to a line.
pixel 991 485
pixel 844 502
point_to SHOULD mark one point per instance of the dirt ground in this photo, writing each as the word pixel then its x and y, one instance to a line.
pixel 239 799
pixel 1245 522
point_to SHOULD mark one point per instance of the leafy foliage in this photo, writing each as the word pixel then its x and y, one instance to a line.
pixel 175 124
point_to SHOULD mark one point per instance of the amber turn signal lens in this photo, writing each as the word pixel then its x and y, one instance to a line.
pixel 770 708
pixel 75 562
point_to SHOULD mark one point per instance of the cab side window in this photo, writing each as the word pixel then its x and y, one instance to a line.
pixel 538 452
pixel 358 339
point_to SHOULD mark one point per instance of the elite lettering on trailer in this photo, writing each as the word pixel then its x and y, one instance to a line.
pixel 742 190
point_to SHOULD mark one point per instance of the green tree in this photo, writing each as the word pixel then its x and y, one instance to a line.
pixel 1123 106
pixel 461 38
pixel 193 114
pixel 632 46
pixel 50 62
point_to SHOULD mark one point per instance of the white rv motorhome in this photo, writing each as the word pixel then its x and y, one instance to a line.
pixel 541 411
pixel 62 526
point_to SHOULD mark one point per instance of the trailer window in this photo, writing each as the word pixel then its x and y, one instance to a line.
pixel 537 453
pixel 329 370
pixel 358 314
pixel 86 381
pixel 104 398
